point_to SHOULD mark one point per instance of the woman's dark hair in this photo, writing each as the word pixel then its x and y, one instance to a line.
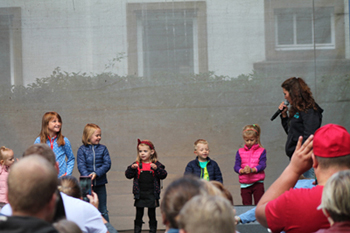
pixel 300 95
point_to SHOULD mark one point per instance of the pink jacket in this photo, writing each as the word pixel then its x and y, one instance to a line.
pixel 251 157
pixel 3 184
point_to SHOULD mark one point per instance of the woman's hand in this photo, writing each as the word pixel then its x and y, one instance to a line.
pixel 284 109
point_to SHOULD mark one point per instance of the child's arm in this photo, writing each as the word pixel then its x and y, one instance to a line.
pixel 160 172
pixel 106 164
pixel 217 173
pixel 70 157
pixel 262 163
pixel 37 140
pixel 81 163
pixel 130 172
pixel 238 163
pixel 189 168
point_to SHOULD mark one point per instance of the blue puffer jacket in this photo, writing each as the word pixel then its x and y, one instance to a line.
pixel 212 167
pixel 94 158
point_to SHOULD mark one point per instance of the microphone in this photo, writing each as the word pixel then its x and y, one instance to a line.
pixel 279 111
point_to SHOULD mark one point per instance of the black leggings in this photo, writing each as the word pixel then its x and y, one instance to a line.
pixel 151 214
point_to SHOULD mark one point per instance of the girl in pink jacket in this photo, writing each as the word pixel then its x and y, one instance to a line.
pixel 6 160
pixel 250 165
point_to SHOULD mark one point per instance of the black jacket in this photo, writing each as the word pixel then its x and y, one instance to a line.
pixel 301 124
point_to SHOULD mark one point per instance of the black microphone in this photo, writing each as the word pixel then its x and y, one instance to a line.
pixel 279 111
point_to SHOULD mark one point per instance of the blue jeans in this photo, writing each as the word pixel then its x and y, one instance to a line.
pixel 310 174
pixel 102 197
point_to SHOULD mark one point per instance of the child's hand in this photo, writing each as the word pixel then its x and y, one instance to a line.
pixel 246 169
pixel 134 166
pixel 153 166
pixel 93 175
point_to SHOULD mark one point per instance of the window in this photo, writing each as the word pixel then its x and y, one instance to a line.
pixel 10 47
pixel 300 28
pixel 167 38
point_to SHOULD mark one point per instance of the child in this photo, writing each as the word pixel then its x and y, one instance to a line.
pixel 203 167
pixel 250 165
pixel 6 160
pixel 51 134
pixel 93 160
pixel 147 172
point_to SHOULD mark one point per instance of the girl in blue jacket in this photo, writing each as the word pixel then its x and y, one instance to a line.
pixel 94 161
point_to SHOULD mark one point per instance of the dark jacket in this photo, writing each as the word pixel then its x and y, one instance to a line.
pixel 301 124
pixel 159 174
pixel 194 168
pixel 94 158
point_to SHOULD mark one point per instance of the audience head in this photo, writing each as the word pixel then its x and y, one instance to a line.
pixel 224 191
pixel 331 147
pixel 335 197
pixel 6 157
pixel 66 226
pixel 43 150
pixel 70 186
pixel 175 197
pixel 32 185
pixel 207 214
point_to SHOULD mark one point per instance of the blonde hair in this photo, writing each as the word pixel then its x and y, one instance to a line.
pixel 252 130
pixel 89 130
pixel 336 195
pixel 70 186
pixel 2 150
pixel 154 156
pixel 207 214
pixel 44 133
pixel 200 141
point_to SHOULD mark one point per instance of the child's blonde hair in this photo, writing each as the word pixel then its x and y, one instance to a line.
pixel 154 157
pixel 252 130
pixel 200 141
pixel 2 150
pixel 89 130
pixel 44 129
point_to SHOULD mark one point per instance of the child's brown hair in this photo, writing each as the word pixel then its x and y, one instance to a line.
pixel 44 133
pixel 154 157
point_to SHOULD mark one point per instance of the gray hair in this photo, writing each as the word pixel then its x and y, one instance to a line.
pixel 207 214
pixel 336 196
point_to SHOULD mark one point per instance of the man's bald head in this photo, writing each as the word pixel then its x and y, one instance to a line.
pixel 32 182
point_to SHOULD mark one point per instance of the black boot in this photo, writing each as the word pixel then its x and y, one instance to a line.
pixel 152 226
pixel 137 226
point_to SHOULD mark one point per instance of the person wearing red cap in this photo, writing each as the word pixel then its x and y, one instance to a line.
pixel 295 210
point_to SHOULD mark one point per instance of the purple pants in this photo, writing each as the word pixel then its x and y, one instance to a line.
pixel 256 190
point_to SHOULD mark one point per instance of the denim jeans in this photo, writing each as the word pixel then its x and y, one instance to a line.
pixel 310 174
pixel 102 197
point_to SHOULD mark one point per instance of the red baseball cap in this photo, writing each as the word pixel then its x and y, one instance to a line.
pixel 331 141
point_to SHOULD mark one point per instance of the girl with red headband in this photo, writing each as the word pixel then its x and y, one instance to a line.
pixel 147 172
pixel 250 165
